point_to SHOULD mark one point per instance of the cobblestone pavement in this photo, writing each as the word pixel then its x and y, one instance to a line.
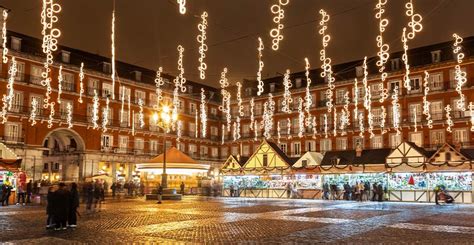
pixel 255 221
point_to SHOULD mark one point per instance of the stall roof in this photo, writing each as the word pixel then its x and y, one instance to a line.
pixel 173 155
pixel 348 157
pixel 421 150
pixel 289 160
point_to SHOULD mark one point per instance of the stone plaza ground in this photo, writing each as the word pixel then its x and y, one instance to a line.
pixel 255 221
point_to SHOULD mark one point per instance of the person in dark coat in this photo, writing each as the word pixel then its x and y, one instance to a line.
pixel 73 206
pixel 182 188
pixel 89 189
pixel 61 200
pixel 49 208
pixel 374 191
pixel 380 192
pixel 29 191
pixel 6 192
pixel 159 191
pixel 347 191
pixel 114 189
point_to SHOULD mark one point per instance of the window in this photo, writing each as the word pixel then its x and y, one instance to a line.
pixel 310 145
pixel 192 129
pixel 283 147
pixel 125 92
pixel 190 89
pixel 376 116
pixel 235 150
pixel 139 144
pixel 436 108
pixel 214 131
pixel 92 84
pixel 124 118
pixel 193 108
pixel 245 150
pixel 39 100
pixel 322 98
pixel 15 43
pixel 265 160
pixel 246 130
pixel 460 136
pixel 415 112
pixel 192 149
pixel 358 141
pixel 204 151
pixel 106 68
pixel 137 75
pixel 437 137
pixel 63 112
pixel 296 148
pixel 356 120
pixel 298 82
pixel 452 75
pixel 359 71
pixel 35 76
pixel 107 90
pixel 447 156
pixel 153 100
pixel 258 108
pixel 17 103
pixel 394 140
pixel 341 144
pixel 394 83
pixel 214 152
pixel 340 96
pixel 153 146
pixel 325 145
pixel 360 92
pixel 272 87
pixel 248 91
pixel 213 111
pixel 375 90
pixel 68 82
pixel 182 147
pixel 20 73
pixel 12 132
pixel 376 142
pixel 110 114
pixel 224 152
pixel 140 95
pixel 415 83
pixel 436 56
pixel 435 81
pixel 395 64
pixel 123 143
pixel 65 56
pixel 456 112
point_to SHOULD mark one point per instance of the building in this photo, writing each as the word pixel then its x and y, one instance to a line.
pixel 72 154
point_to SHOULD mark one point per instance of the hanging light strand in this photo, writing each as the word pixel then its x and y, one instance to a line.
pixel 460 75
pixel 201 38
pixel 426 103
pixel 181 78
pixel 159 82
pixel 301 119
pixel 267 119
pixel 239 99
pixel 34 111
pixel 287 99
pixel 4 37
pixel 182 6
pixel 449 121
pixel 409 33
pixel 95 110
pixel 260 67
pixel 81 83
pixel 356 99
pixel 279 15
pixel 51 114
pixel 368 99
pixel 471 113
pixel 252 116
pixel 69 115
pixel 12 73
pixel 384 48
pixel 203 108
pixel 326 67
pixel 225 106
pixel 396 110
pixel 105 115
pixel 308 98
pixel 60 84
pixel 112 37
pixel 141 116
pixel 325 125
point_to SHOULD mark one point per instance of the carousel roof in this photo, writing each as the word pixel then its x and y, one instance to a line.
pixel 176 161
pixel 173 155
pixel 8 159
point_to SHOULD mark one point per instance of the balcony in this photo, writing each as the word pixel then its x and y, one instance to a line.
pixel 12 140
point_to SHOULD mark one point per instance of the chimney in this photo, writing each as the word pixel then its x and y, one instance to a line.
pixel 358 150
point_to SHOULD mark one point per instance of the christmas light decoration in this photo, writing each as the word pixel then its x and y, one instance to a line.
pixel 182 6
pixel 50 42
pixel 287 100
pixel 460 76
pixel 406 76
pixel 95 110
pixel 225 106
pixel 240 107
pixel 105 115
pixel 122 104
pixel 384 48
pixel 426 103
pixel 356 99
pixel 129 109
pixel 223 134
pixel 308 98
pixel 179 131
pixel 279 12
pixel 159 83
pixel 382 120
pixel 334 127
pixel 201 38
pixel 368 99
pixel 133 123
pixel 60 83
pixel 278 132
pixel 234 131
pixel 196 126
pixel 288 128
pixel 345 114
pixel 414 118
pixel 51 115
pixel 449 121
pixel 301 119
pixel 396 110
pixel 267 119
pixel 34 111
pixel 260 67
pixel 237 120
pixel 252 117
pixel 4 37
pixel 327 72
pixel 325 125
pixel 180 77
pixel 414 26
pixel 203 108
pixel 471 111
pixel 255 126
pixel 69 115
pixel 81 83
pixel 112 37
pixel 315 129
pixel 361 125
pixel 12 72
pixel 141 116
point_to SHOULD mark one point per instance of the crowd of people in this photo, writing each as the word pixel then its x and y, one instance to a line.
pixel 61 210
pixel 359 191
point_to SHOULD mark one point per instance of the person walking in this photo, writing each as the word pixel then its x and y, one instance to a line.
pixel 97 196
pixel 347 191
pixel 380 192
pixel 49 208
pixel 61 200
pixel 326 191
pixel 361 191
pixel 29 191
pixel 89 189
pixel 6 192
pixel 374 191
pixel 182 188
pixel 73 206
pixel 159 192
pixel 288 190
pixel 334 191
pixel 114 189
pixel 20 192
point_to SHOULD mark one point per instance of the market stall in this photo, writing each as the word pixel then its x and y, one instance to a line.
pixel 10 171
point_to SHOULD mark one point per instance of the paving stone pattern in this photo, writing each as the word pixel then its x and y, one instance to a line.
pixel 247 221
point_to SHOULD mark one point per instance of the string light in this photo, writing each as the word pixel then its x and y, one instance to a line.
pixel 396 110
pixel 278 132
pixel 383 119
pixel 301 119
pixel 426 103
pixel 196 126
pixel 225 106
pixel 315 129
pixel 406 76
pixel 203 108
pixel 326 67
pixel 34 109
pixel 105 115
pixel 181 78
pixel 345 115
pixel 325 125
pixel 122 104
pixel 368 99
pixel 234 131
pixel 255 126
pixel 129 110
pixel 239 99
pixel 95 110
pixel 415 119
pixel 50 42
pixel 141 116
pixel 460 76
pixel 159 82
pixel 51 115
pixel 308 98
pixel 334 127
pixel 449 121
pixel 267 119
pixel 238 127
pixel 361 125
pixel 471 111
pixel 12 72
pixel 223 134
pixel 384 48
pixel 182 6
pixel 288 128
pixel 356 99
pixel 69 115
pixel 279 15
pixel 203 46
pixel 81 84
pixel 287 100
pixel 4 37
pixel 260 66
pixel 133 123
pixel 179 131
pixel 414 26
pixel 252 116
pixel 60 83
pixel 112 37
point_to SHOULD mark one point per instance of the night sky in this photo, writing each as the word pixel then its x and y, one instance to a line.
pixel 148 31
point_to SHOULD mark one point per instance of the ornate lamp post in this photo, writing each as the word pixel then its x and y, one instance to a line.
pixel 164 119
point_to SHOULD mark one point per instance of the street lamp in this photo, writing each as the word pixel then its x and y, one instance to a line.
pixel 164 119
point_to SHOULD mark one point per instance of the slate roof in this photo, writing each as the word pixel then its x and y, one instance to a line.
pixel 348 157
